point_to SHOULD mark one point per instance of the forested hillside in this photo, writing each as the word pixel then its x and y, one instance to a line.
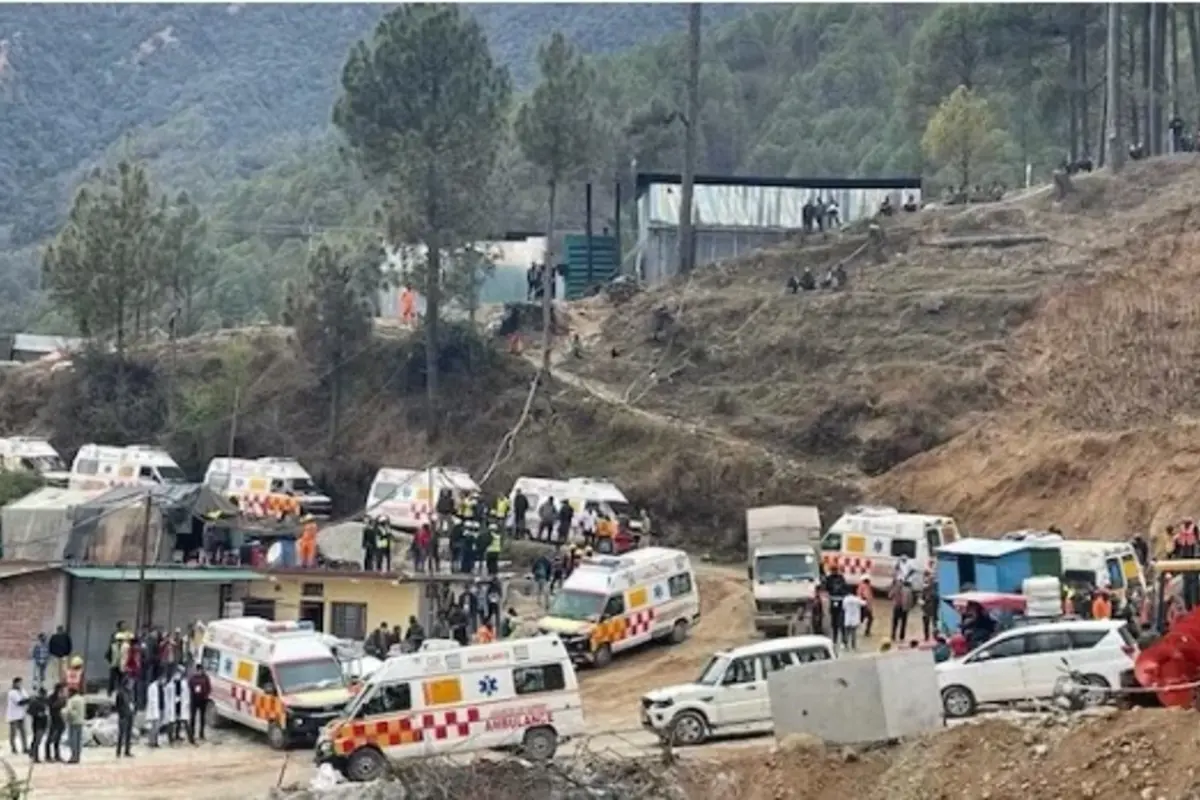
pixel 233 105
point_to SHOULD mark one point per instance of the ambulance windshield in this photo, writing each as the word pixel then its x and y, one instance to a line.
pixel 579 606
pixel 785 567
pixel 309 676
pixel 171 474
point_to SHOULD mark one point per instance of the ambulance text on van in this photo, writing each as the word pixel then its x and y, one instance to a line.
pixel 98 466
pixel 279 678
pixel 613 603
pixel 514 693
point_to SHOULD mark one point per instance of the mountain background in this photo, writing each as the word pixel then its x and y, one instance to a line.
pixel 232 104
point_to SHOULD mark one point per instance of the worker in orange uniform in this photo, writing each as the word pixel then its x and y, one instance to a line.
pixel 1101 605
pixel 408 306
pixel 484 634
pixel 307 546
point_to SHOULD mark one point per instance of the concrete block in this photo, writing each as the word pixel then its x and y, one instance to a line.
pixel 857 700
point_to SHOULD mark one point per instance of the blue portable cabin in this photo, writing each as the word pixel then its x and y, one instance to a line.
pixel 990 565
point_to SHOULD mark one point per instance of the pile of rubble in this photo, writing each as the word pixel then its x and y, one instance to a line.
pixel 507 779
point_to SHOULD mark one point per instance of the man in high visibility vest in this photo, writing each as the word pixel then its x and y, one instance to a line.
pixel 492 555
pixel 383 549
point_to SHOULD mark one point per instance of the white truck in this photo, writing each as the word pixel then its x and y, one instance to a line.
pixel 781 545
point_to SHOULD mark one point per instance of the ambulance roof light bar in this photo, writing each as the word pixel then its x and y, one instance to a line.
pixel 290 626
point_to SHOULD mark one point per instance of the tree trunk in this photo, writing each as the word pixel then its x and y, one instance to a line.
pixel 1085 128
pixel 1147 103
pixel 1194 46
pixel 687 235
pixel 433 300
pixel 1135 118
pixel 1173 75
pixel 1112 97
pixel 547 286
pixel 335 396
pixel 1155 121
pixel 1073 95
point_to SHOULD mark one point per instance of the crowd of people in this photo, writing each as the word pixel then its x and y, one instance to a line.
pixel 155 671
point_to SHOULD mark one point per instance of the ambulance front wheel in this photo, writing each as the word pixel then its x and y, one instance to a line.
pixel 365 765
pixel 603 657
pixel 277 737
pixel 540 744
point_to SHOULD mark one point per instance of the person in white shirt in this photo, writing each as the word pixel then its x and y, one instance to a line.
pixel 904 570
pixel 587 524
pixel 17 701
pixel 852 611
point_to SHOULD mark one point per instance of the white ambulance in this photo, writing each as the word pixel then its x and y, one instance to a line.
pixel 407 497
pixel 1093 563
pixel 31 454
pixel 576 491
pixel 868 541
pixel 514 693
pixel 612 603
pixel 279 678
pixel 98 466
pixel 258 478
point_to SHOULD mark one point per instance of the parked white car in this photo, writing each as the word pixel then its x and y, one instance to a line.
pixel 730 696
pixel 1026 663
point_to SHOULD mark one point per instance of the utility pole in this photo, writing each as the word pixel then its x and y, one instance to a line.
pixel 237 391
pixel 1116 148
pixel 687 233
pixel 141 602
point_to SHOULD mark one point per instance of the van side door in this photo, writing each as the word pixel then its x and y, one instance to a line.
pixel 1043 661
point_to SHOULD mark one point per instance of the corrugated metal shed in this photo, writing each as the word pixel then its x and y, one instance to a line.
pixel 34 343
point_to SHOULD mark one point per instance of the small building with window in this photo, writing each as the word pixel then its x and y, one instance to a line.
pixel 347 604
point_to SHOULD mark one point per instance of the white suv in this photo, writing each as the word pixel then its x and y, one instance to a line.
pixel 730 696
pixel 1027 662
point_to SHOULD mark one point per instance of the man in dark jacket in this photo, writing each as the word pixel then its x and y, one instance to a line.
pixel 60 651
pixel 520 510
pixel 565 514
pixel 199 691
pixel 57 725
pixel 836 586
pixel 38 711
pixel 379 642
pixel 126 709
pixel 370 535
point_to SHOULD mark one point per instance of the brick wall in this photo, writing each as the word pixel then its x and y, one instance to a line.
pixel 29 605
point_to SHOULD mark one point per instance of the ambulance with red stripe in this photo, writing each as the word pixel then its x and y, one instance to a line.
pixel 408 497
pixel 868 541
pixel 613 603
pixel 517 693
pixel 279 678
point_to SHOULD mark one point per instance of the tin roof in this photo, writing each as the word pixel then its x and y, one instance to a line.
pixel 181 574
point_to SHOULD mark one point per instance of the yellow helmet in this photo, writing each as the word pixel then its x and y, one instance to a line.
pixel 76 661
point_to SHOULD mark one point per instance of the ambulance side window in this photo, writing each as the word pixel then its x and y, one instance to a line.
pixel 904 547
pixel 546 678
pixel 615 607
pixel 265 682
pixel 387 699
pixel 680 585
pixel 210 659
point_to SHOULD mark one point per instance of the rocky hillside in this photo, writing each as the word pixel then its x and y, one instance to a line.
pixel 1046 382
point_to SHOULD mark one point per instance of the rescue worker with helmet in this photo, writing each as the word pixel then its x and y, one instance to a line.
pixel 383 546
pixel 492 553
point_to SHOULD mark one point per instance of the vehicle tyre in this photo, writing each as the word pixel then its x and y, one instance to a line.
pixel 1091 699
pixel 603 656
pixel 688 728
pixel 679 632
pixel 958 702
pixel 277 737
pixel 212 719
pixel 366 764
pixel 539 744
